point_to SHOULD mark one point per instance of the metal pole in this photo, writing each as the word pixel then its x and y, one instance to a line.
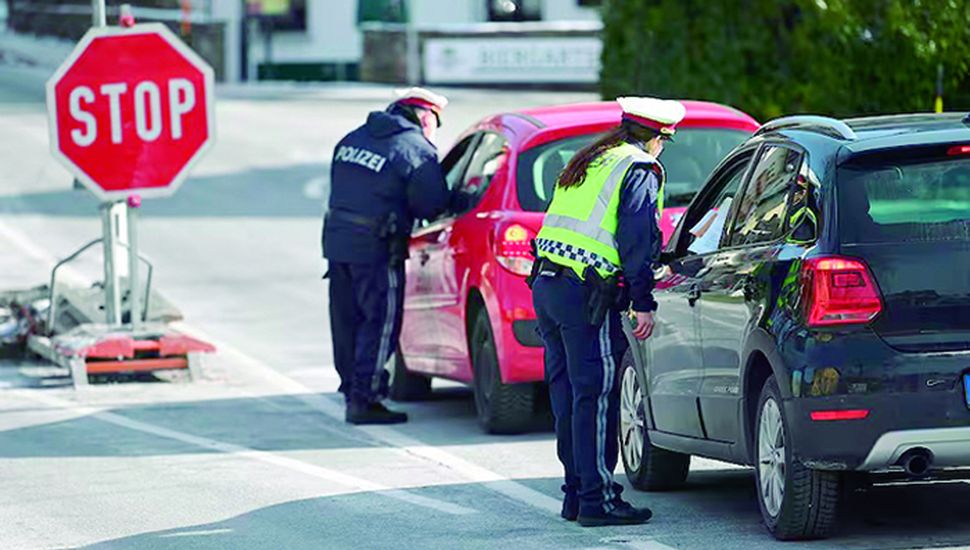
pixel 413 56
pixel 134 293
pixel 412 49
pixel 99 14
pixel 112 295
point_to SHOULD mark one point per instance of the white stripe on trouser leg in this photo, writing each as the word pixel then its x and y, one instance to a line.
pixel 382 350
pixel 602 414
pixel 610 380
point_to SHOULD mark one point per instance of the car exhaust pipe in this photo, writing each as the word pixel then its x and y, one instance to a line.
pixel 917 462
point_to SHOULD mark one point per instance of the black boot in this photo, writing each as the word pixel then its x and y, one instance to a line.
pixel 373 413
pixel 570 508
pixel 622 514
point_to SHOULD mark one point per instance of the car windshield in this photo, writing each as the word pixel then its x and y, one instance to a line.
pixel 688 160
pixel 905 202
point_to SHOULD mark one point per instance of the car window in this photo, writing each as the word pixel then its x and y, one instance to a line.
pixel 709 219
pixel 760 214
pixel 490 154
pixel 456 161
pixel 909 201
pixel 688 161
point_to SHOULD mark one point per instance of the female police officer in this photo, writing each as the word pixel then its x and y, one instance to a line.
pixel 596 249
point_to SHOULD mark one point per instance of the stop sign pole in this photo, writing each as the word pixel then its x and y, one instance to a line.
pixel 112 215
pixel 131 112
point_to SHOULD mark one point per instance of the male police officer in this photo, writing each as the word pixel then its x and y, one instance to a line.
pixel 601 224
pixel 383 176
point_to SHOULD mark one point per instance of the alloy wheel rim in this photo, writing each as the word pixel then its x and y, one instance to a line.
pixel 771 457
pixel 631 420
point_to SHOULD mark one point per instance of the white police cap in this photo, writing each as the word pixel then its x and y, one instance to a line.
pixel 421 97
pixel 662 115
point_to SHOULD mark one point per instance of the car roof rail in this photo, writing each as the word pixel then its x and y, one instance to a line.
pixel 824 124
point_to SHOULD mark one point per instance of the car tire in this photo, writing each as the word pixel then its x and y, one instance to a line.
pixel 648 468
pixel 406 385
pixel 502 408
pixel 796 502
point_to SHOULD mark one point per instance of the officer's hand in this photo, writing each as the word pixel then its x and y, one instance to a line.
pixel 644 326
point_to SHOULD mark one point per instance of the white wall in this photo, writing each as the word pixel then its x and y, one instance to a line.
pixel 331 35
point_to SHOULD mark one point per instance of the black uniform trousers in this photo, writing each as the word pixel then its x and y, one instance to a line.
pixel 366 306
pixel 581 362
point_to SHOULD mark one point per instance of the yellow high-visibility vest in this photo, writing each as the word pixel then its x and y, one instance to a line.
pixel 579 229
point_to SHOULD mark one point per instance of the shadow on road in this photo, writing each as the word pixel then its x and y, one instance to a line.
pixel 717 510
pixel 261 193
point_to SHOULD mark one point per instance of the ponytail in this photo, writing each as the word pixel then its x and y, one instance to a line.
pixel 627 132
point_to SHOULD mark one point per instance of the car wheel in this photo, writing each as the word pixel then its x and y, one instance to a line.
pixel 796 502
pixel 405 385
pixel 502 408
pixel 647 467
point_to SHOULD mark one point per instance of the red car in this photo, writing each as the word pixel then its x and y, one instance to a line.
pixel 468 314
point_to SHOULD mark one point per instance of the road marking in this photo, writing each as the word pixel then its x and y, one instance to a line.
pixel 636 543
pixel 205 533
pixel 388 436
pixel 312 470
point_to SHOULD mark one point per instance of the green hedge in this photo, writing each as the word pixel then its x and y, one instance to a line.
pixel 774 57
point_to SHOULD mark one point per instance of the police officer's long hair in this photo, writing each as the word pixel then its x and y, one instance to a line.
pixel 627 132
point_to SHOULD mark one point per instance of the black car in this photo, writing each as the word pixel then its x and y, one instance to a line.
pixel 814 317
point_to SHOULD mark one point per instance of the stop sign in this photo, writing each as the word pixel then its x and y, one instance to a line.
pixel 131 110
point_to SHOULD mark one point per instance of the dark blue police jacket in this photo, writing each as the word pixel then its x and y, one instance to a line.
pixel 384 167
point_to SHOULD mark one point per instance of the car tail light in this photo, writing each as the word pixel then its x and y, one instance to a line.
pixel 958 150
pixel 839 291
pixel 513 248
pixel 828 416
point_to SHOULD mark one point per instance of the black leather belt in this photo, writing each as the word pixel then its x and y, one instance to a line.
pixel 549 268
pixel 354 219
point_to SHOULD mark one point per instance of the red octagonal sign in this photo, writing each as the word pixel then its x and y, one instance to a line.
pixel 131 110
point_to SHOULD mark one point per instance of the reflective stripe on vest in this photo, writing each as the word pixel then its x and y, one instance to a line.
pixel 577 254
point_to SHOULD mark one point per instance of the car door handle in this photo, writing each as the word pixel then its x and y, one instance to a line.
pixel 693 295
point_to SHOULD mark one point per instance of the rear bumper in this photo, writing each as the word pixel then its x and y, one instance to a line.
pixel 520 354
pixel 913 400
pixel 949 447
pixel 938 421
pixel 514 324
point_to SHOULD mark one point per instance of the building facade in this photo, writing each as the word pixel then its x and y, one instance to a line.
pixel 325 39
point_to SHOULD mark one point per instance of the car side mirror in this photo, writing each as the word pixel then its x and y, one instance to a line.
pixel 804 227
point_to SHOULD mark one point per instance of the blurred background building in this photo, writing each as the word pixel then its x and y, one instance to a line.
pixel 483 42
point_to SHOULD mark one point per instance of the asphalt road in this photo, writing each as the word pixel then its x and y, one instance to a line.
pixel 255 455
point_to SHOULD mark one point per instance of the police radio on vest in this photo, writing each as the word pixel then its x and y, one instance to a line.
pixel 143 101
